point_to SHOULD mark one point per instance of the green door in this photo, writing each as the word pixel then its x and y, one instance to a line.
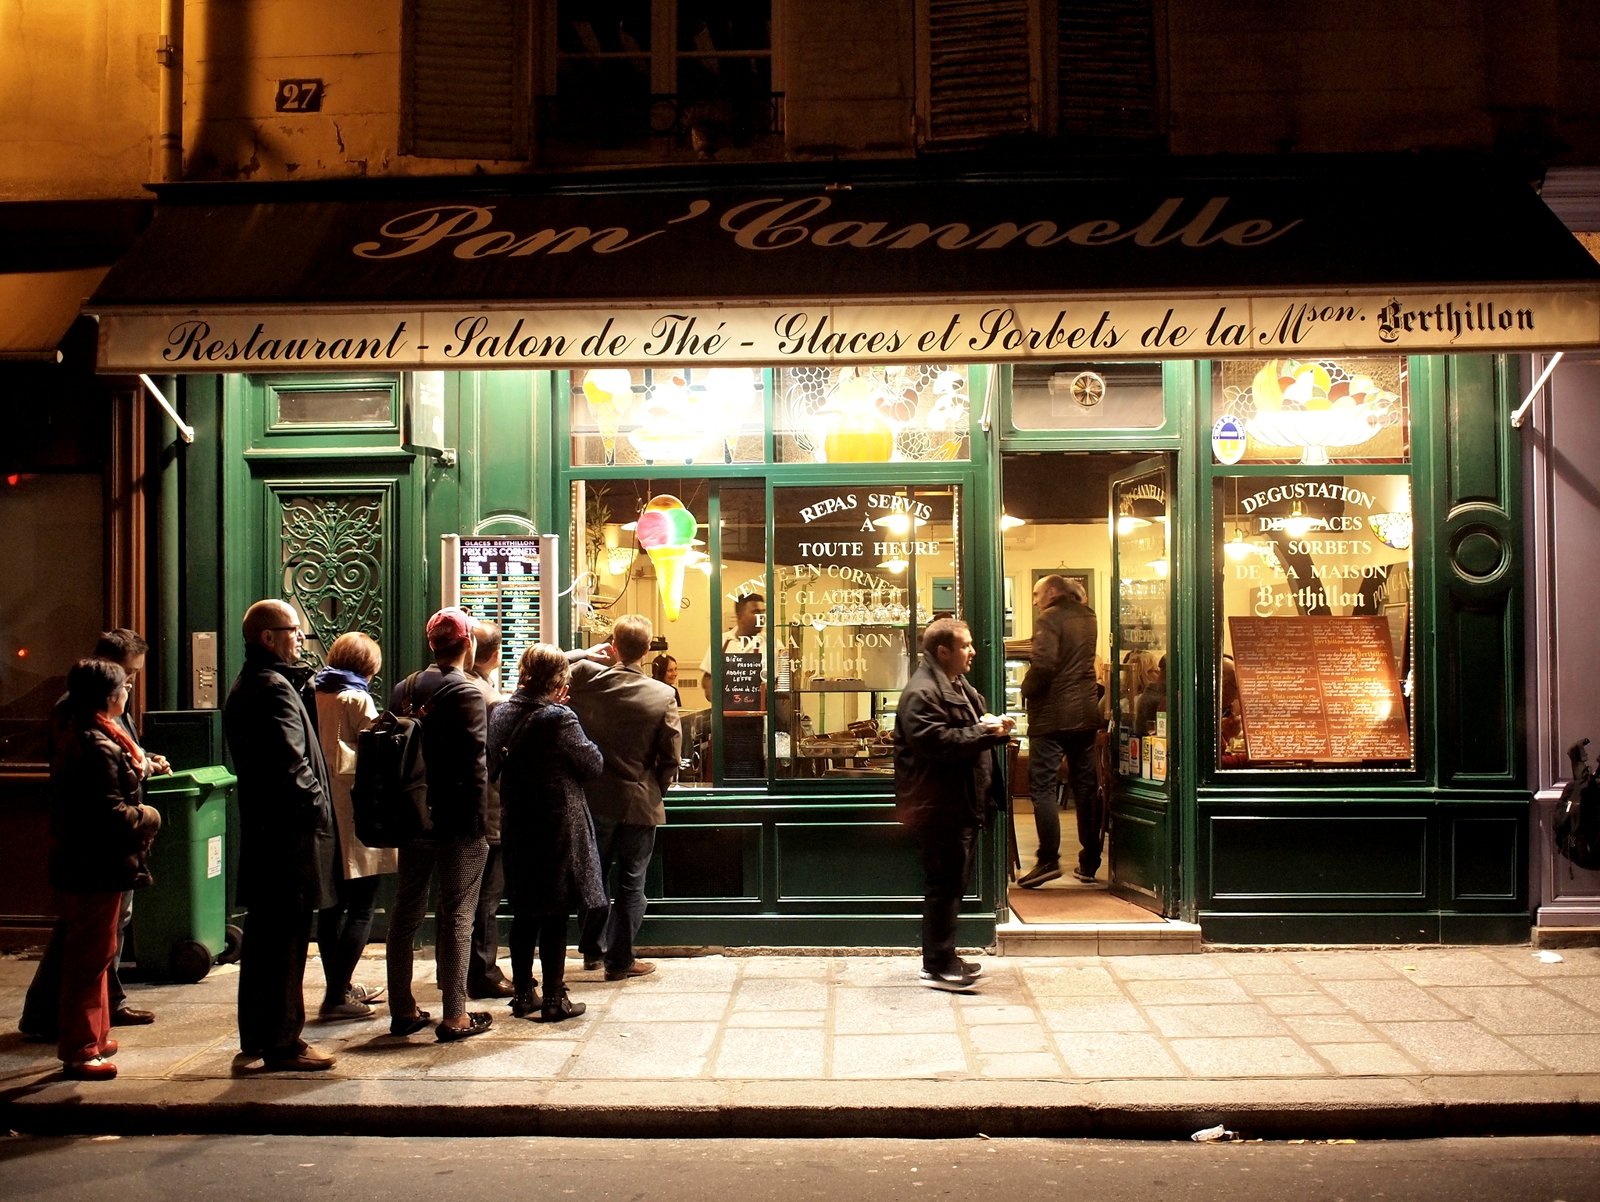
pixel 331 513
pixel 1140 826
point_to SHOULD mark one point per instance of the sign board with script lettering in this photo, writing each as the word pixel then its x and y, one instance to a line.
pixel 1191 264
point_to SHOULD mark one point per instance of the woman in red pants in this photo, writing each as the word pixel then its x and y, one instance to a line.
pixel 101 841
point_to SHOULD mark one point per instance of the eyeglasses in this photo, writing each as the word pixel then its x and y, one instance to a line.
pixel 296 629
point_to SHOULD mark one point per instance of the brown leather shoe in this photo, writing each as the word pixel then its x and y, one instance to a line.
pixel 639 968
pixel 306 1060
pixel 97 1069
pixel 132 1016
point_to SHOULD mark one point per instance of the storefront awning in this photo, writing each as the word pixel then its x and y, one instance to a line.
pixel 36 307
pixel 1345 256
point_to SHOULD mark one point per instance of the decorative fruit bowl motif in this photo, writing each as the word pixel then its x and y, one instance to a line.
pixel 1303 405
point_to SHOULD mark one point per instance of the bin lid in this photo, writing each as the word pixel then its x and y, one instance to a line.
pixel 213 776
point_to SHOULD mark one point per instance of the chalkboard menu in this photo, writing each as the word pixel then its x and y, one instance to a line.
pixel 500 579
pixel 741 680
pixel 1319 690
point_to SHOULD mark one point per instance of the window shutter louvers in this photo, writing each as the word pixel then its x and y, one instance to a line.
pixel 979 70
pixel 466 79
pixel 1106 70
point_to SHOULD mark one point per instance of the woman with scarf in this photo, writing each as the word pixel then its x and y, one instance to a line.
pixel 345 708
pixel 546 835
pixel 101 844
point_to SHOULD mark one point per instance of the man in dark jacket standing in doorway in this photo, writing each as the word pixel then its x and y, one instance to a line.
pixel 1063 703
pixel 286 843
pixel 947 780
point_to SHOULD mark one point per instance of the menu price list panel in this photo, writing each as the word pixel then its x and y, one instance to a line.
pixel 499 581
pixel 1319 689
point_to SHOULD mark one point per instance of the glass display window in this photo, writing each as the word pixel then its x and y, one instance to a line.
pixel 859 570
pixel 665 416
pixel 1315 620
pixel 908 413
pixel 1311 411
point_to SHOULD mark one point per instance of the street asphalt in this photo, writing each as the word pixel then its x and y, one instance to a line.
pixel 1316 1044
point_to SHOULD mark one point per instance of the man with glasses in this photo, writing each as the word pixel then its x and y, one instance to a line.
pixel 287 845
pixel 127 649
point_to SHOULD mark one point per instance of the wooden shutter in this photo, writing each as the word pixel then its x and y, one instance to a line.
pixel 1106 70
pixel 465 79
pixel 978 71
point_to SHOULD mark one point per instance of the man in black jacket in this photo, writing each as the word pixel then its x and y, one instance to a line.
pixel 947 780
pixel 455 728
pixel 1063 700
pixel 287 844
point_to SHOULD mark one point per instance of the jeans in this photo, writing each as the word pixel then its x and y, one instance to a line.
pixel 460 865
pixel 947 856
pixel 609 932
pixel 483 969
pixel 342 931
pixel 1045 753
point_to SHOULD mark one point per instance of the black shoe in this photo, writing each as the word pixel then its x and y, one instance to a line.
pixel 132 1016
pixel 491 989
pixel 954 979
pixel 409 1026
pixel 525 1005
pixel 478 1021
pixel 1039 875
pixel 590 965
pixel 971 967
pixel 39 1035
pixel 1086 878
pixel 557 1009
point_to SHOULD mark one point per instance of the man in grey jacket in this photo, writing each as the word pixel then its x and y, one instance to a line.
pixel 633 719
pixel 1063 715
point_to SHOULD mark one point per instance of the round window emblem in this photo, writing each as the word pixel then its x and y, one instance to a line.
pixel 1088 389
pixel 1228 439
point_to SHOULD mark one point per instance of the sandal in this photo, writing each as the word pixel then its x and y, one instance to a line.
pixel 409 1026
pixel 477 1023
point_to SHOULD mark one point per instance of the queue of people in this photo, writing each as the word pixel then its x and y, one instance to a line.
pixel 564 778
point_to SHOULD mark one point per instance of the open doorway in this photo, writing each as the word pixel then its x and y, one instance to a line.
pixel 1061 542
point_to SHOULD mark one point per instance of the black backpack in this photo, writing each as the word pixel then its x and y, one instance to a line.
pixel 1577 824
pixel 389 800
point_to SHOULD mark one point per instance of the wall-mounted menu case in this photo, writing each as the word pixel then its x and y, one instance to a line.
pixel 502 578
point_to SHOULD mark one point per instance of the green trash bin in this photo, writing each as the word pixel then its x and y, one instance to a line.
pixel 180 923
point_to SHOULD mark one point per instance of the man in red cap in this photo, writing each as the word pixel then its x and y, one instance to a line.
pixel 454 729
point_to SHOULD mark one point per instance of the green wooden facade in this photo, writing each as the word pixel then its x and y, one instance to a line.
pixel 350 521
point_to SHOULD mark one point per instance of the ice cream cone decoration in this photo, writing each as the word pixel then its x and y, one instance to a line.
pixel 609 392
pixel 666 532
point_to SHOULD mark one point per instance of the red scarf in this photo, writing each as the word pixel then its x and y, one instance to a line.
pixel 114 728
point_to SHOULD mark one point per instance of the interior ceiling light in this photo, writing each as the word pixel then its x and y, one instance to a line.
pixel 1299 523
pixel 897 566
pixel 1160 566
pixel 1127 523
pixel 1007 522
pixel 897 523
pixel 1238 547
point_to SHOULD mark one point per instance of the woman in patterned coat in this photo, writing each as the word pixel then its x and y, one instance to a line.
pixel 542 757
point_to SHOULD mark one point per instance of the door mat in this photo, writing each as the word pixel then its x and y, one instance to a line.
pixel 1073 904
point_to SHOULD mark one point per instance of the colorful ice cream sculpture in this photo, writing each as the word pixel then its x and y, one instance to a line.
pixel 732 394
pixel 609 392
pixel 666 532
pixel 853 428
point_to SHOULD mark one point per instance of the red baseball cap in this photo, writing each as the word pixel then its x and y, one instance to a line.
pixel 449 626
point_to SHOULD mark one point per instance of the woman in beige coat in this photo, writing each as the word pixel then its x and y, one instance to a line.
pixel 344 709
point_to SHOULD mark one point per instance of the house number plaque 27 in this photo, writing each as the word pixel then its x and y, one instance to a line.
pixel 298 96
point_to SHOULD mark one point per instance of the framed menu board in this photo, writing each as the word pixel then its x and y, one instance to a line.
pixel 1320 690
pixel 503 578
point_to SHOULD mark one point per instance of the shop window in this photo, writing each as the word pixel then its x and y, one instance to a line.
pixel 50 599
pixel 1311 411
pixel 667 415
pixel 859 570
pixel 899 414
pixel 1087 396
pixel 1315 615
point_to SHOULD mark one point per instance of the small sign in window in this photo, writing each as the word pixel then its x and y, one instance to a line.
pixel 298 96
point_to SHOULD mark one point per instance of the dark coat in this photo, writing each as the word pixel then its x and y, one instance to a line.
pixel 101 834
pixel 1059 687
pixel 546 833
pixel 634 721
pixel 946 763
pixel 454 744
pixel 287 852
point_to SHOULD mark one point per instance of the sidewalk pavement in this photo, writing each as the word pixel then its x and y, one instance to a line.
pixel 1343 1043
